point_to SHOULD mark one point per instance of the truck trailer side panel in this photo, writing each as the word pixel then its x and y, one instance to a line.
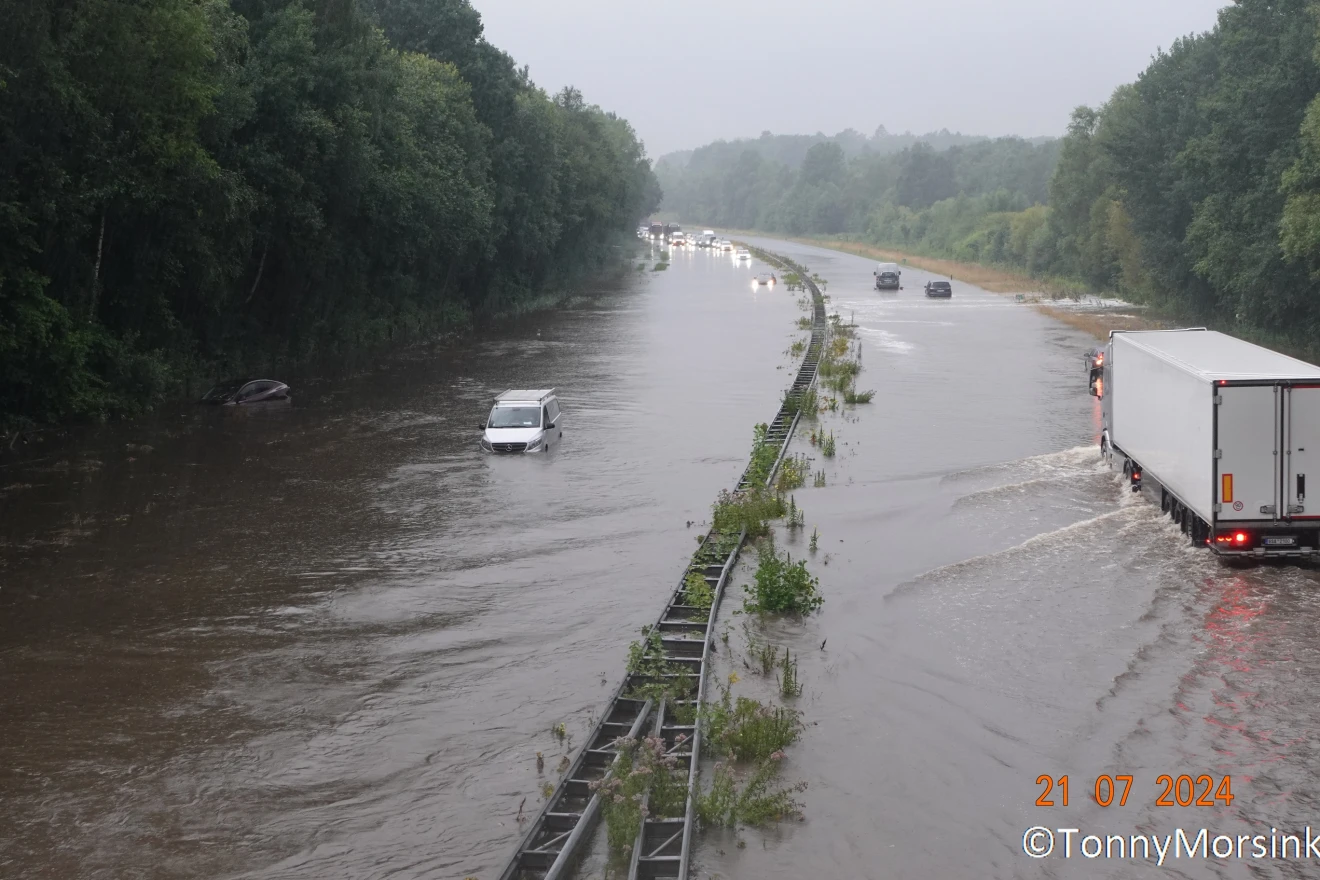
pixel 1163 418
pixel 1302 449
pixel 1249 452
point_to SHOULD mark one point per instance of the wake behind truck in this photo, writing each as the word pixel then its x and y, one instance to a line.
pixel 1227 429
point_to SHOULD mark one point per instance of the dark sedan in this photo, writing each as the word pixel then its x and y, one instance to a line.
pixel 250 391
pixel 939 288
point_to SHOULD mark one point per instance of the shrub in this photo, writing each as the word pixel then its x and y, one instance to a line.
pixel 789 683
pixel 660 677
pixel 851 396
pixel 792 473
pixel 763 455
pixel 698 593
pixel 755 804
pixel 751 509
pixel 643 769
pixel 810 403
pixel 747 730
pixel 781 585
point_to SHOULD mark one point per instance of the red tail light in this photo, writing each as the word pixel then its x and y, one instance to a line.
pixel 1240 537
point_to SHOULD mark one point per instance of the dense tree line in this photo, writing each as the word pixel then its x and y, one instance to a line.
pixel 835 185
pixel 191 186
pixel 1196 188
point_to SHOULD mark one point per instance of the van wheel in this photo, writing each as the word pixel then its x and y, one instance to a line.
pixel 1164 501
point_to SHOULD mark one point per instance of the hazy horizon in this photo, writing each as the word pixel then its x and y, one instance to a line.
pixel 688 73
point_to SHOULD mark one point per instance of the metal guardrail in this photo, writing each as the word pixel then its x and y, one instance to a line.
pixel 664 845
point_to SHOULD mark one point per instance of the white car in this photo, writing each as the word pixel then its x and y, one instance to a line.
pixel 726 245
pixel 742 254
pixel 523 421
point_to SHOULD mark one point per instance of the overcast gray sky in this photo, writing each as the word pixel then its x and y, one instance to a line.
pixel 686 72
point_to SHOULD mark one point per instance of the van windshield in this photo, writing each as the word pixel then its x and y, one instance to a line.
pixel 515 417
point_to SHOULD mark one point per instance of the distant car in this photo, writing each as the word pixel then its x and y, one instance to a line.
pixel 742 254
pixel 726 245
pixel 766 278
pixel 248 391
pixel 939 289
pixel 888 277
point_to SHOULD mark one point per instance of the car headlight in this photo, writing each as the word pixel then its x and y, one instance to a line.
pixel 536 443
pixel 485 444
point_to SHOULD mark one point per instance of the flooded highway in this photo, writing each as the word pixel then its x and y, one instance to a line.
pixel 329 639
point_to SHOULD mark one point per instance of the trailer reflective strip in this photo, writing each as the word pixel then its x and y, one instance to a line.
pixel 1226 491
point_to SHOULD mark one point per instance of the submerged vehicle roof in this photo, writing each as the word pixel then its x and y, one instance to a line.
pixel 524 396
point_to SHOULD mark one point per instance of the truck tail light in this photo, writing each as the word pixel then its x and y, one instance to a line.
pixel 1240 538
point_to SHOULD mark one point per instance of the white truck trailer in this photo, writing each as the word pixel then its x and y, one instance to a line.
pixel 1229 431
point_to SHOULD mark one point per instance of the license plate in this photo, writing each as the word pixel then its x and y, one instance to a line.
pixel 1280 542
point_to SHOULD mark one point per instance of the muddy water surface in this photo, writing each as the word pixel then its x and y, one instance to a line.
pixel 1000 606
pixel 328 639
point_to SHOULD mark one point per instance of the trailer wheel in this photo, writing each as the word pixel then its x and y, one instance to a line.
pixel 1164 501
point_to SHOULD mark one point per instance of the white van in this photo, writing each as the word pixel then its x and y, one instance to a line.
pixel 523 421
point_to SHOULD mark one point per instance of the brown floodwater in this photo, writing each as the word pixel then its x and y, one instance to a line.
pixel 328 639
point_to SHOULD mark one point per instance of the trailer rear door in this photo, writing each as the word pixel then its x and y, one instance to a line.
pixel 1248 432
pixel 1302 426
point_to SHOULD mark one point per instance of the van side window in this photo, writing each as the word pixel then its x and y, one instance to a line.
pixel 554 410
pixel 545 415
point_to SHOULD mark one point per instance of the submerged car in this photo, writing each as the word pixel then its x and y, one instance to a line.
pixel 523 421
pixel 939 289
pixel 246 391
